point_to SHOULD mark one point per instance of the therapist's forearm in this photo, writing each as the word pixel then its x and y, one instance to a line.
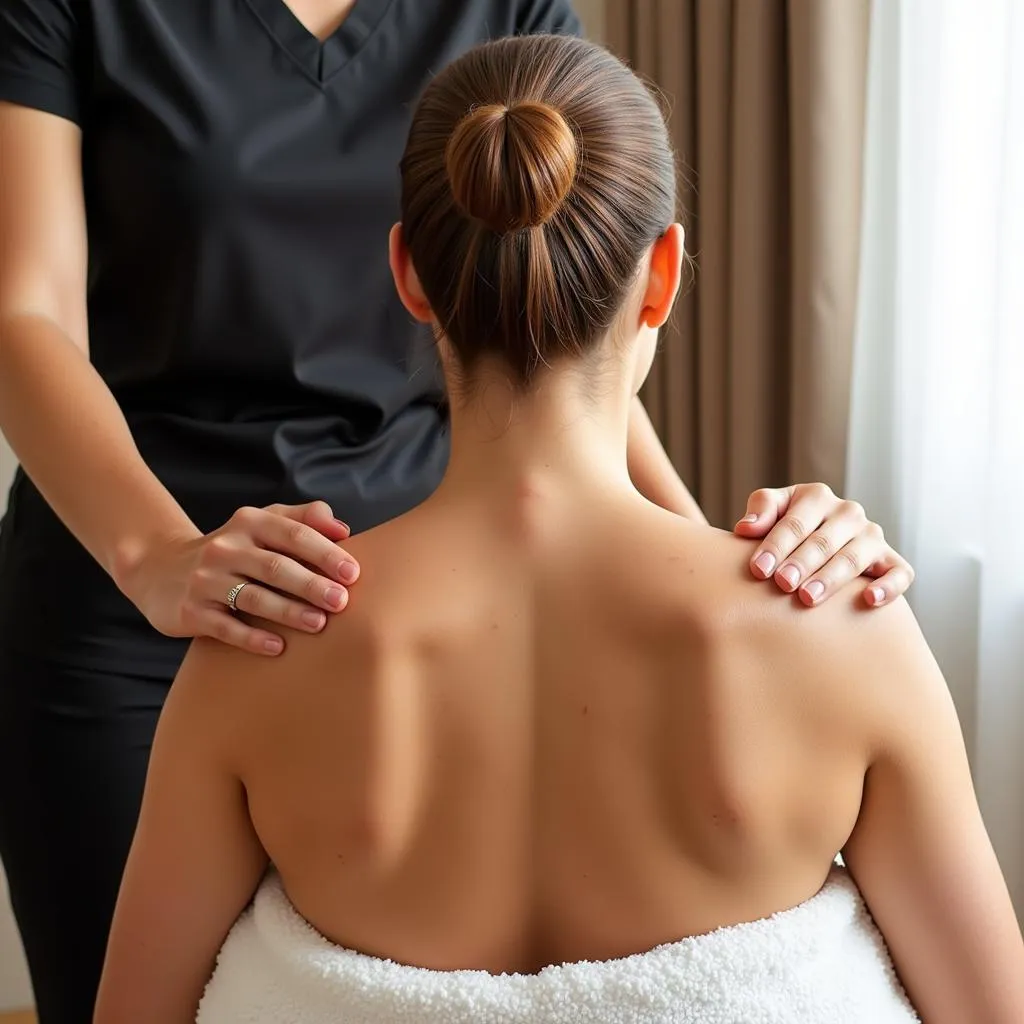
pixel 68 432
pixel 652 471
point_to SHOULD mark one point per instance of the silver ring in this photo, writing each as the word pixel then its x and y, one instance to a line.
pixel 232 599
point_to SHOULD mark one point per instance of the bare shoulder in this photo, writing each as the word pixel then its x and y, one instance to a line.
pixel 700 573
pixel 869 669
pixel 841 657
pixel 216 686
pixel 397 567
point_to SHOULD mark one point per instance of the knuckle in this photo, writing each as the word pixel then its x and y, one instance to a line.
pixel 311 589
pixel 794 525
pixel 293 615
pixel 199 582
pixel 820 490
pixel 874 532
pixel 821 543
pixel 245 515
pixel 275 568
pixel 297 534
pixel 852 509
pixel 255 642
pixel 848 563
pixel 217 547
pixel 253 600
pixel 220 630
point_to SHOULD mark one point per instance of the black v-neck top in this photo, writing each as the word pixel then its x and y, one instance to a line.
pixel 240 180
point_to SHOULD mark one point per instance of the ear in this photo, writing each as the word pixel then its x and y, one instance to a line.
pixel 410 291
pixel 665 268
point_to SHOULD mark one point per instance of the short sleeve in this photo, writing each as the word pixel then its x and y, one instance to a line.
pixel 547 16
pixel 39 56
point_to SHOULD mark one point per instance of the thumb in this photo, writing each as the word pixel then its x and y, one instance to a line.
pixel 764 509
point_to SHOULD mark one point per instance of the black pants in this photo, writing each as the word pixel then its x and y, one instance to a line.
pixel 74 746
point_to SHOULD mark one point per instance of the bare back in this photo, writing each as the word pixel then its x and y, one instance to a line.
pixel 566 733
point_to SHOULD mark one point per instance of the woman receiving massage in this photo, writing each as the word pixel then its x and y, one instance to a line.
pixel 202 354
pixel 602 778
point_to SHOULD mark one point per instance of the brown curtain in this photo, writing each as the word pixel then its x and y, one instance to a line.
pixel 751 387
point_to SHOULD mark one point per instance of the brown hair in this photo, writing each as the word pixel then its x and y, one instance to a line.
pixel 537 172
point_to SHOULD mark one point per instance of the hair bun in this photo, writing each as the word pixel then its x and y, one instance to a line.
pixel 511 167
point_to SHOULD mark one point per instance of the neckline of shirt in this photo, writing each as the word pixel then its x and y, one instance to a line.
pixel 320 60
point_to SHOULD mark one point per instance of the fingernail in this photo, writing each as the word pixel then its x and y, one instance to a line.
pixel 315 620
pixel 877 595
pixel 343 524
pixel 751 517
pixel 273 646
pixel 814 590
pixel 791 575
pixel 334 597
pixel 765 562
pixel 348 572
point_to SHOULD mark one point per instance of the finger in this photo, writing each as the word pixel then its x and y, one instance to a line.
pixel 288 577
pixel 316 514
pixel 849 562
pixel 812 505
pixel 287 536
pixel 824 544
pixel 764 507
pixel 888 560
pixel 223 626
pixel 895 583
pixel 273 607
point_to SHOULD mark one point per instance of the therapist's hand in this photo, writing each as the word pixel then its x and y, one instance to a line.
pixel 815 542
pixel 286 555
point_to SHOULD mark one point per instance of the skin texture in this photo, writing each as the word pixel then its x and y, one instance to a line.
pixel 577 753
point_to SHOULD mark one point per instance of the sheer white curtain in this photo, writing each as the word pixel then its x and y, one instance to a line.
pixel 937 420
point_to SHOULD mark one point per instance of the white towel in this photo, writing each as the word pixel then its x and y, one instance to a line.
pixel 823 962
